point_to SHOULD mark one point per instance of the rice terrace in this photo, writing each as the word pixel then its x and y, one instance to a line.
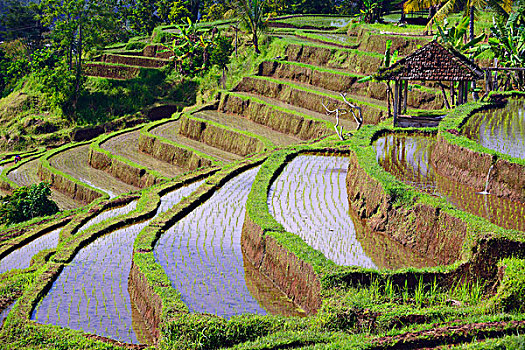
pixel 262 174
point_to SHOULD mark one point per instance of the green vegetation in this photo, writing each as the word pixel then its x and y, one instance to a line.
pixel 170 59
pixel 27 203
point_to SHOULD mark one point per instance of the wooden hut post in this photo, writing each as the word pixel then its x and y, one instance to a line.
pixel 396 100
pixel 452 99
pixel 460 93
pixel 405 97
pixel 495 86
pixel 487 81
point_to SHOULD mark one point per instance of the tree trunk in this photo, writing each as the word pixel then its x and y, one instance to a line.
pixel 389 98
pixel 256 42
pixel 471 24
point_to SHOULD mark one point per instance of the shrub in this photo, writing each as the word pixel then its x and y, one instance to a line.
pixel 26 203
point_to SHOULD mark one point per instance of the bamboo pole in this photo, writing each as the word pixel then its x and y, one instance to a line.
pixel 405 97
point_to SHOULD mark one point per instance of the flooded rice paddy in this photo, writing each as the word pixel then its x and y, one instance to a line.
pixel 21 257
pixel 91 293
pixel 409 159
pixel 5 313
pixel 108 214
pixel 202 255
pixel 309 199
pixel 501 129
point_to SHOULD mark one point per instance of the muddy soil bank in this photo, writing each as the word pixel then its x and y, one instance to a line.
pixel 373 42
pixel 296 278
pixel 351 60
pixel 171 153
pixel 140 61
pixel 276 119
pixel 67 186
pixel 337 82
pixel 110 72
pixel 305 99
pixel 146 300
pixel 222 138
pixel 430 231
pixel 425 229
pixel 121 170
pixel 506 179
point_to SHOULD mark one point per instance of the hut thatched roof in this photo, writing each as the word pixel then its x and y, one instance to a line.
pixel 433 62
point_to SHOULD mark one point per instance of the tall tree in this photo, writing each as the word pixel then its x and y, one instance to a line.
pixel 21 21
pixel 252 14
pixel 80 25
pixel 141 16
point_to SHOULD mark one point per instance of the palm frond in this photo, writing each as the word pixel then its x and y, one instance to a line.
pixel 419 5
pixel 442 13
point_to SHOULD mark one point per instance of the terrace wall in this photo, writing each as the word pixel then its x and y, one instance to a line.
pixel 507 179
pixel 67 186
pixel 468 162
pixel 110 71
pixel 417 98
pixel 294 276
pixel 374 42
pixel 352 60
pixel 306 99
pixel 276 119
pixel 220 137
pixel 121 170
pixel 423 228
pixel 171 153
pixel 139 61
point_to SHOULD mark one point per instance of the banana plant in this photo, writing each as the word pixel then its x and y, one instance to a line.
pixel 453 37
pixel 508 45
pixel 190 49
pixel 508 42
pixel 389 58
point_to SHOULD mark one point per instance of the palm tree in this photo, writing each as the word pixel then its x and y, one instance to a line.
pixel 252 17
pixel 502 7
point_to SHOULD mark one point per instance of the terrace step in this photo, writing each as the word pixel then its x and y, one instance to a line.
pixel 328 39
pixel 141 61
pixel 342 81
pixel 276 103
pixel 75 162
pixel 126 145
pixel 244 124
pixel 312 97
pixel 326 56
pixel 170 131
pixel 27 175
pixel 110 71
pixel 221 136
pixel 152 51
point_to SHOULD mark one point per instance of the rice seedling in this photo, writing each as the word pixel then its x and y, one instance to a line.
pixel 21 257
pixel 408 158
pixel 102 294
pixel 309 199
pixel 502 129
pixel 202 255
